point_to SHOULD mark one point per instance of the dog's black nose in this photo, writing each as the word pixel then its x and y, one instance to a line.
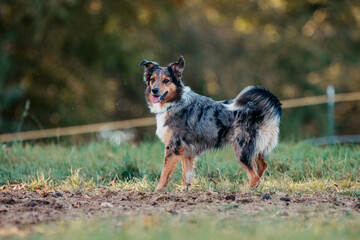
pixel 155 90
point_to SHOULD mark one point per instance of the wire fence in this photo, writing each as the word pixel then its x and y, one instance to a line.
pixel 150 121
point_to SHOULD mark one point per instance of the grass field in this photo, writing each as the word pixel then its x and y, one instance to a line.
pixel 323 184
pixel 298 167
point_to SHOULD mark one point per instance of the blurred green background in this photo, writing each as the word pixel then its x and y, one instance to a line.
pixel 77 60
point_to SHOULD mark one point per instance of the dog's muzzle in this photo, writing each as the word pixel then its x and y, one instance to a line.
pixel 156 98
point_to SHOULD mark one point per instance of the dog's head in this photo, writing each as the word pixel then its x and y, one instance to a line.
pixel 164 84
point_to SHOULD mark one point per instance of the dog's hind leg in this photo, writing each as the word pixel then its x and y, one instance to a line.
pixel 251 174
pixel 187 171
pixel 261 164
pixel 244 155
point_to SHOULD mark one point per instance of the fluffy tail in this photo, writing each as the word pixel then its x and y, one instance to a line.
pixel 262 98
pixel 269 108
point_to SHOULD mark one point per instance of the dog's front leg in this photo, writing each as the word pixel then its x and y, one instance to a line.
pixel 170 162
pixel 187 171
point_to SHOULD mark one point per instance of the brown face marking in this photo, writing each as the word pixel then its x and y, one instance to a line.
pixel 161 79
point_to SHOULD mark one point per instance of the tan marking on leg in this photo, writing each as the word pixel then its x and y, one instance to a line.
pixel 261 165
pixel 167 137
pixel 250 172
pixel 252 175
pixel 169 167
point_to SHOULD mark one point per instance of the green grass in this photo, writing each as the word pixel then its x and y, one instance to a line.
pixel 293 167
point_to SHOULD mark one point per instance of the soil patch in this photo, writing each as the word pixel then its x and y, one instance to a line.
pixel 26 208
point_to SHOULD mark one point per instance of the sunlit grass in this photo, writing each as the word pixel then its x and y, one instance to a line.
pixel 77 181
pixel 39 182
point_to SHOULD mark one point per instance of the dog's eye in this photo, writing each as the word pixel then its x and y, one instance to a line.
pixel 166 81
pixel 152 80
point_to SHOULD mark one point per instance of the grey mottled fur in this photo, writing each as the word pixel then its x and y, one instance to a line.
pixel 201 124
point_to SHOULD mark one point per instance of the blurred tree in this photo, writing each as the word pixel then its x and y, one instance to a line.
pixel 77 60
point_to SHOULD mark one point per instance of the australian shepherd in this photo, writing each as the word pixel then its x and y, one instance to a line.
pixel 190 124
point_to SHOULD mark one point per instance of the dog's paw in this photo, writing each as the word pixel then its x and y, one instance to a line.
pixel 254 185
pixel 158 189
pixel 258 183
pixel 185 188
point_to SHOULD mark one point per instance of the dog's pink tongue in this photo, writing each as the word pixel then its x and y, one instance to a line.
pixel 155 99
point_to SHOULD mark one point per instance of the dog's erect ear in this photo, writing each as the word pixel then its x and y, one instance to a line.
pixel 149 66
pixel 178 67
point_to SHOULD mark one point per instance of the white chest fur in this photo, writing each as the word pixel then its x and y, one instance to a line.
pixel 160 128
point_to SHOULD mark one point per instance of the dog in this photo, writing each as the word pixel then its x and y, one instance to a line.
pixel 190 124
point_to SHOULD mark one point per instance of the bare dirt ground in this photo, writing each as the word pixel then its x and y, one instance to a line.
pixel 26 208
